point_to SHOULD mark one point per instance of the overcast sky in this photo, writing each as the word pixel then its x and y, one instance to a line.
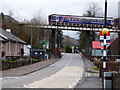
pixel 30 8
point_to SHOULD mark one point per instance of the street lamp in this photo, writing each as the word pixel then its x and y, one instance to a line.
pixel 31 44
pixel 105 31
pixel 105 13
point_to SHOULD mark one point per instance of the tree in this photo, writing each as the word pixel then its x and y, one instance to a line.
pixel 68 49
pixel 93 11
pixel 59 39
pixel 86 37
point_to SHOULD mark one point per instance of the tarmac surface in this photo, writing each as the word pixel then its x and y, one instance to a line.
pixel 65 73
pixel 90 78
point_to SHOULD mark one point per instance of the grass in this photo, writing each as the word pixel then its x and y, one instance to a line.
pixel 96 69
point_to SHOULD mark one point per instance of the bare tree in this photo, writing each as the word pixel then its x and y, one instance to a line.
pixel 11 13
pixel 86 37
pixel 93 11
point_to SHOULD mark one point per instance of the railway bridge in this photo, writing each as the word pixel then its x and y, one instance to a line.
pixel 75 28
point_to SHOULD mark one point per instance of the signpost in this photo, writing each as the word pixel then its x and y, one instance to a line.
pixel 102 39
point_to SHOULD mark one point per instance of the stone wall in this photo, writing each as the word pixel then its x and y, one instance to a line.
pixel 0 21
pixel 116 80
pixel 9 65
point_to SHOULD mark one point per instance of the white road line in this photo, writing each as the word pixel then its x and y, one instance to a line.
pixel 25 86
pixel 69 60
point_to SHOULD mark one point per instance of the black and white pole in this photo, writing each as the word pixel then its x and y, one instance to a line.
pixel 104 54
pixel 105 32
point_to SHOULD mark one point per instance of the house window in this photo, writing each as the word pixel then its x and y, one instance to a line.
pixel 36 53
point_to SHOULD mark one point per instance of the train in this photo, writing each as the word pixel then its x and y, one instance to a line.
pixel 80 21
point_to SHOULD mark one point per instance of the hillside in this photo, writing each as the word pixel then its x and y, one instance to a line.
pixel 69 41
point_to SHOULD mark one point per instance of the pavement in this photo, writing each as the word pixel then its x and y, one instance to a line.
pixel 91 77
pixel 23 70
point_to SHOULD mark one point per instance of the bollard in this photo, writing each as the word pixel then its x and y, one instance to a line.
pixel 107 80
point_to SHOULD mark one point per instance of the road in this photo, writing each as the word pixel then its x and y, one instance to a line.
pixel 65 73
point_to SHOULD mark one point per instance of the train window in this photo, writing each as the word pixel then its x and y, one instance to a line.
pixel 69 19
pixel 99 20
pixel 88 20
pixel 74 19
pixel 54 17
pixel 57 19
pixel 66 19
pixel 81 20
pixel 93 20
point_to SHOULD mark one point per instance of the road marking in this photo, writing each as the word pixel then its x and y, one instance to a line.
pixel 89 74
pixel 69 60
pixel 25 86
pixel 86 74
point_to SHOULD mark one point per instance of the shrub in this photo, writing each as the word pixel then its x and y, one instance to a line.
pixel 68 49
pixel 3 54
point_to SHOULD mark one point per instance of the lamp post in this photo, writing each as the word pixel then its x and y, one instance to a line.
pixel 31 44
pixel 105 31
pixel 105 14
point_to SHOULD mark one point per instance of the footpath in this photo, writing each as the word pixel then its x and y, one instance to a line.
pixel 19 71
pixel 91 77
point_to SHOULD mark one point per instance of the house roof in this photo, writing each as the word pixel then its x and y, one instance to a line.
pixel 9 36
pixel 1 39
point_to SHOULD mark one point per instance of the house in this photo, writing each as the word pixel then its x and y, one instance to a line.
pixel 114 49
pixel 10 45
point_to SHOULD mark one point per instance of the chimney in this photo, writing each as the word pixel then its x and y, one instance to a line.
pixel 8 30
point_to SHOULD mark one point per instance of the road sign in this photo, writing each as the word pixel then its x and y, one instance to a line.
pixel 102 39
pixel 101 34
pixel 102 44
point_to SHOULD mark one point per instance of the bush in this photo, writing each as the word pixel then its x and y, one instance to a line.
pixel 68 49
pixel 3 54
pixel 96 62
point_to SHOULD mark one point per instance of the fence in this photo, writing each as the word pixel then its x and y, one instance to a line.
pixel 110 66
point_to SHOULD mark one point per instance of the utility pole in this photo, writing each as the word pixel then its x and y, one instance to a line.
pixel 31 44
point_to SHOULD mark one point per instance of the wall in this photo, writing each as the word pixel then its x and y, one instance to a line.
pixel 0 21
pixel 12 48
pixel 0 49
pixel 110 66
pixel 116 80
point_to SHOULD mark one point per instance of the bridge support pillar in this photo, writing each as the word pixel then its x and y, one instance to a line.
pixel 53 38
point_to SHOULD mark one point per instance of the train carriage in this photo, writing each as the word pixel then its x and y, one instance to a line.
pixel 79 21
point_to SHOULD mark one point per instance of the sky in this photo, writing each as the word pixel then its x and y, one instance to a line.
pixel 27 9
